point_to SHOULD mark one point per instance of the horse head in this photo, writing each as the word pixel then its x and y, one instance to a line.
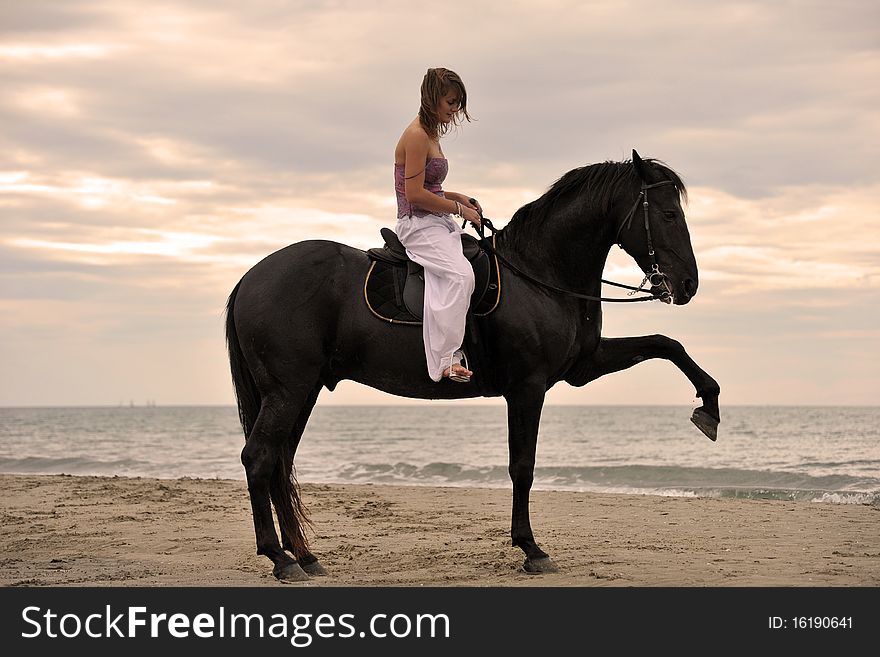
pixel 655 234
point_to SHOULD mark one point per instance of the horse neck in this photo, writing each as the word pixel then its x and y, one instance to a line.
pixel 567 247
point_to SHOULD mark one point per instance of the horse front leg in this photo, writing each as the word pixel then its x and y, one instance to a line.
pixel 616 354
pixel 523 416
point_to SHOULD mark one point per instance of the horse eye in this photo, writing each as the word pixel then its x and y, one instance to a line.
pixel 670 214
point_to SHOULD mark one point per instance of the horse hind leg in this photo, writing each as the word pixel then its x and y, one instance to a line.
pixel 292 515
pixel 261 460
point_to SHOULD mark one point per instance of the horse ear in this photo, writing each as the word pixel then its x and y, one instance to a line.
pixel 641 167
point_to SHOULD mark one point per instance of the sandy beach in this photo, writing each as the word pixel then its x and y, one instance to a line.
pixel 64 530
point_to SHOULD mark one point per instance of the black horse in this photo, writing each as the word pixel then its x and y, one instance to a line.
pixel 297 322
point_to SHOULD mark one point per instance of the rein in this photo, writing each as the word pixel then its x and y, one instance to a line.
pixel 655 276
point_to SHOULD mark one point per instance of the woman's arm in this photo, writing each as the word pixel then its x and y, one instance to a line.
pixel 415 144
pixel 464 200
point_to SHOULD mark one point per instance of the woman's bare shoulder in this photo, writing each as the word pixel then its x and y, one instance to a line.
pixel 413 142
pixel 415 135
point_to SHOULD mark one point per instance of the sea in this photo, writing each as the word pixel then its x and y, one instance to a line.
pixel 797 453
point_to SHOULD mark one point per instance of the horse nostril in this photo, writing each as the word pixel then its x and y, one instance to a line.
pixel 690 287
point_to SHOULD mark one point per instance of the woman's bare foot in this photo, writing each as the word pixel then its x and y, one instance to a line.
pixel 458 373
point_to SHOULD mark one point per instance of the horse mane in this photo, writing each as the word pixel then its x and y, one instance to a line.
pixel 601 184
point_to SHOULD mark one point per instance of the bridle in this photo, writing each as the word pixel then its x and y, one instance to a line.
pixel 655 276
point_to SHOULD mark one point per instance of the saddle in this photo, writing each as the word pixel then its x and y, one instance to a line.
pixel 394 288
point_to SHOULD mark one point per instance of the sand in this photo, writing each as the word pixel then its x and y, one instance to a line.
pixel 115 531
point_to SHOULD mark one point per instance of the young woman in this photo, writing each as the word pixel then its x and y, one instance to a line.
pixel 426 226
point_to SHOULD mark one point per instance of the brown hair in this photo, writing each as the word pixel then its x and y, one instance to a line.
pixel 435 85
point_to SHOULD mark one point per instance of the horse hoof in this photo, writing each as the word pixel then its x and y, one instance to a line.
pixel 290 572
pixel 315 568
pixel 705 423
pixel 539 566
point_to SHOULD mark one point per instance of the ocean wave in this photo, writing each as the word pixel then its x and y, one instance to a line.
pixel 69 465
pixel 126 467
pixel 632 479
pixel 871 498
pixel 629 479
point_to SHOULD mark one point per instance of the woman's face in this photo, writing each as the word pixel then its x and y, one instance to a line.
pixel 449 104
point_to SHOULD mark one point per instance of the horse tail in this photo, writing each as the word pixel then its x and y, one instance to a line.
pixel 283 487
pixel 247 397
pixel 293 517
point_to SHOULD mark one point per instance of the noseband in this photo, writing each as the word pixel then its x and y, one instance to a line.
pixel 655 276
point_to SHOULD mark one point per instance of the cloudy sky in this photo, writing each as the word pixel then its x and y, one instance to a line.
pixel 150 153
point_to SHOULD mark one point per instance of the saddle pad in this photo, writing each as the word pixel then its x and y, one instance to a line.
pixel 382 292
pixel 385 282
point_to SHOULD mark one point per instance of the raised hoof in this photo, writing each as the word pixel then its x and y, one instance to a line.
pixel 315 568
pixel 705 423
pixel 291 572
pixel 538 566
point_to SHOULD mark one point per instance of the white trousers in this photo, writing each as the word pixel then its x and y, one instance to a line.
pixel 434 242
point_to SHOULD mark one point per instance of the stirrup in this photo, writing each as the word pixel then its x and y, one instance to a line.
pixel 458 358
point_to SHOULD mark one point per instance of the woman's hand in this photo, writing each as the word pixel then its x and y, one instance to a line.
pixel 474 204
pixel 470 214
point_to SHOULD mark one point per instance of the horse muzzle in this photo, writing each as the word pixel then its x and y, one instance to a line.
pixel 668 292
